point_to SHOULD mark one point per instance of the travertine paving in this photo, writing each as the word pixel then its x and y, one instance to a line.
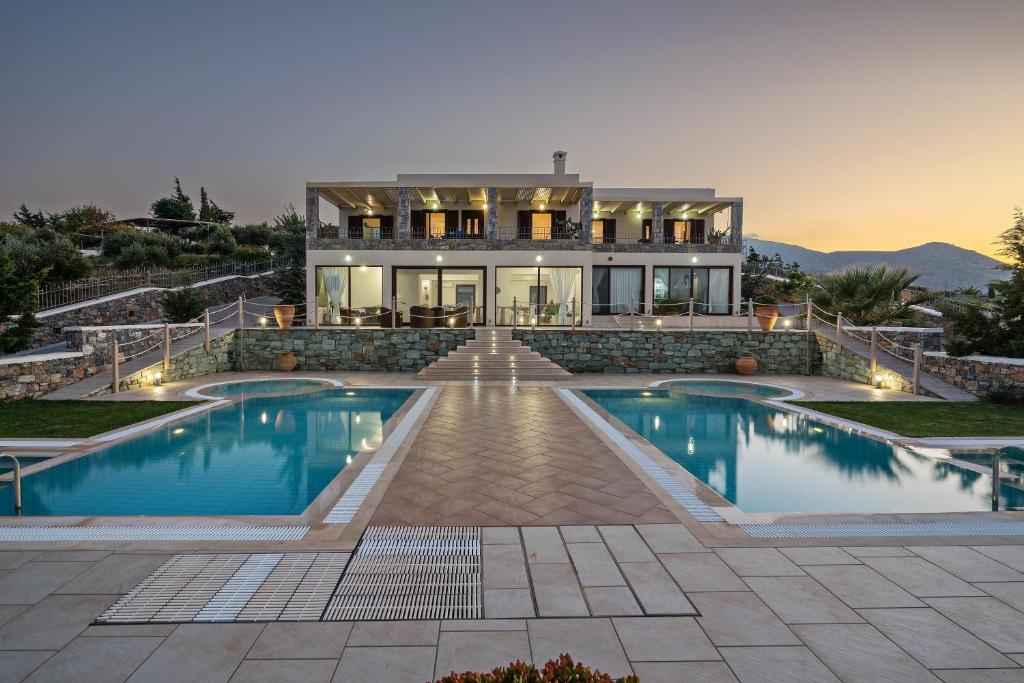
pixel 499 455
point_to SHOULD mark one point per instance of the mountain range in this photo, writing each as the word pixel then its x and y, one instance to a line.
pixel 942 265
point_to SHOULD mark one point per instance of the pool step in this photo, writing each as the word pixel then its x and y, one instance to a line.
pixel 494 355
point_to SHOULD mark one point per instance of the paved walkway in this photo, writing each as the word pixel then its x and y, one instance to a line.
pixel 506 455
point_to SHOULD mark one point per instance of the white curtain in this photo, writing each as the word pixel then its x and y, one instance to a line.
pixel 334 284
pixel 624 289
pixel 718 290
pixel 563 282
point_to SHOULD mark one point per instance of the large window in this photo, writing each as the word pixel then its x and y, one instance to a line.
pixel 617 288
pixel 540 296
pixel 344 293
pixel 709 288
pixel 445 288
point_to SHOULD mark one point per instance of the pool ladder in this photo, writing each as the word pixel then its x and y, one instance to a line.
pixel 16 478
pixel 997 469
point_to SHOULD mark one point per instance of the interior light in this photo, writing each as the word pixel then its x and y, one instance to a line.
pixel 542 206
pixel 434 205
pixel 369 212
pixel 362 268
pixel 485 205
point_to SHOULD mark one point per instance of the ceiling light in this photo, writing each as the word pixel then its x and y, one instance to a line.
pixel 348 258
pixel 438 258
pixel 539 258
pixel 434 205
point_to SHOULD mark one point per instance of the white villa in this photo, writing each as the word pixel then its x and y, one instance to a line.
pixel 499 249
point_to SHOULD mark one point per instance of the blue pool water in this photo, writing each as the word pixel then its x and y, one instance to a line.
pixel 765 460
pixel 711 386
pixel 263 386
pixel 259 456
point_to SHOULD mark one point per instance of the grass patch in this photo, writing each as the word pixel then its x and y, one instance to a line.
pixel 929 418
pixel 76 419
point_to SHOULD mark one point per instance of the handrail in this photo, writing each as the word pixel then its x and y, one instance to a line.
pixel 997 472
pixel 16 478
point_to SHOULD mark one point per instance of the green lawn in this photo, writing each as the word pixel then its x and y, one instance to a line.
pixel 929 418
pixel 75 419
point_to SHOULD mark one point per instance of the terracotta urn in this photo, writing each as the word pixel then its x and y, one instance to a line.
pixel 767 316
pixel 746 365
pixel 286 362
pixel 284 313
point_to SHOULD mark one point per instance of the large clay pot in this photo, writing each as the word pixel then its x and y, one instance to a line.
pixel 284 313
pixel 767 316
pixel 746 365
pixel 286 362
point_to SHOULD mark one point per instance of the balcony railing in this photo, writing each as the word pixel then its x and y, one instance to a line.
pixel 531 233
pixel 638 238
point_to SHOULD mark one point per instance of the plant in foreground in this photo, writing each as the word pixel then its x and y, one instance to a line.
pixel 562 670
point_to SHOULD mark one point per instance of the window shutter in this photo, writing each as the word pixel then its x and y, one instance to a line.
pixel 524 223
pixel 387 227
pixel 609 231
pixel 670 230
pixel 418 223
pixel 697 232
pixel 355 227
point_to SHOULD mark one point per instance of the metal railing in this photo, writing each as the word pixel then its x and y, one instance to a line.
pixel 67 293
pixel 15 481
pixel 634 237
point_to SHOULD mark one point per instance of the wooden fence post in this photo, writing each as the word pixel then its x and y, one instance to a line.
pixel 241 314
pixel 750 314
pixel 167 347
pixel 917 368
pixel 691 314
pixel 206 330
pixel 116 386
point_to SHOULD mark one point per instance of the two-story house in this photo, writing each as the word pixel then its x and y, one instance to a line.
pixel 541 249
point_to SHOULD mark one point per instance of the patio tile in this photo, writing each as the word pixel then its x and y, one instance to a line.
pixel 53 622
pixel 758 562
pixel 544 544
pixel 1010 555
pixel 12 559
pixel 8 612
pixel 691 672
pixel 655 589
pixel 594 565
pixel 117 574
pixel 106 630
pixel 858 652
pixel 626 544
pixel 1012 593
pixel 483 625
pixel 393 633
pixel 504 567
pixel 781 664
pixel 557 591
pixel 801 600
pixel 997 624
pixel 314 640
pixel 662 639
pixel 96 659
pixel 701 572
pixel 860 586
pixel 591 641
pixel 980 675
pixel 461 651
pixel 508 603
pixel 920 578
pixel 199 652
pixel 275 670
pixel 878 551
pixel 500 535
pixel 385 664
pixel 33 581
pixel 803 556
pixel 15 665
pixel 611 601
pixel 967 564
pixel 669 538
pixel 72 555
pixel 934 640
pixel 740 619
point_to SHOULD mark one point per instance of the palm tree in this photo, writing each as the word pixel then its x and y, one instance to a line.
pixel 872 295
pixel 968 291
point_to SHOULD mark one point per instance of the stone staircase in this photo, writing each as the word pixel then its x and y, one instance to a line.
pixel 494 355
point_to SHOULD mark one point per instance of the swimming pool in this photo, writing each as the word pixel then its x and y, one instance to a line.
pixel 725 387
pixel 268 455
pixel 259 386
pixel 762 459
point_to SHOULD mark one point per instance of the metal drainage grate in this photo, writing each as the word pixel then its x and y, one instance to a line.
pixel 411 573
pixel 232 587
pixel 348 505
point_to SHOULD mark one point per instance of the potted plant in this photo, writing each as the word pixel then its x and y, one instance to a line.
pixel 286 362
pixel 551 312
pixel 767 311
pixel 284 314
pixel 746 364
pixel 715 236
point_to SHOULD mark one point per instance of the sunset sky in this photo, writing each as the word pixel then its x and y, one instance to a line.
pixel 844 125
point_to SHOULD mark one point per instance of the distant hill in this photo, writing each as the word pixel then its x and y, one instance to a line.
pixel 942 266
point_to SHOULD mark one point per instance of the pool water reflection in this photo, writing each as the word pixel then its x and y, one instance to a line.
pixel 258 456
pixel 766 460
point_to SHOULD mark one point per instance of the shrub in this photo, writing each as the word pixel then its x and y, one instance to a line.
pixel 958 348
pixel 183 305
pixel 137 249
pixel 35 250
pixel 1004 398
pixel 258 234
pixel 562 670
pixel 17 299
pixel 249 254
pixel 221 242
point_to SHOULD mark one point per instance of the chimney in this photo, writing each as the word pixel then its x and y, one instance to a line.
pixel 559 158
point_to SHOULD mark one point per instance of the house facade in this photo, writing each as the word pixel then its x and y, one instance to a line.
pixel 527 249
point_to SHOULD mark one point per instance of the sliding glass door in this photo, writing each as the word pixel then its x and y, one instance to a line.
pixel 447 288
pixel 344 293
pixel 538 296
pixel 710 289
pixel 618 289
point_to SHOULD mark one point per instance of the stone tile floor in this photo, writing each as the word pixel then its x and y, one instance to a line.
pixel 874 613
pixel 539 464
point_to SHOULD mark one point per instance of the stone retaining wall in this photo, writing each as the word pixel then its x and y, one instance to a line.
pixel 39 375
pixel 404 350
pixel 140 307
pixel 616 351
pixel 978 375
pixel 853 367
pixel 195 362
